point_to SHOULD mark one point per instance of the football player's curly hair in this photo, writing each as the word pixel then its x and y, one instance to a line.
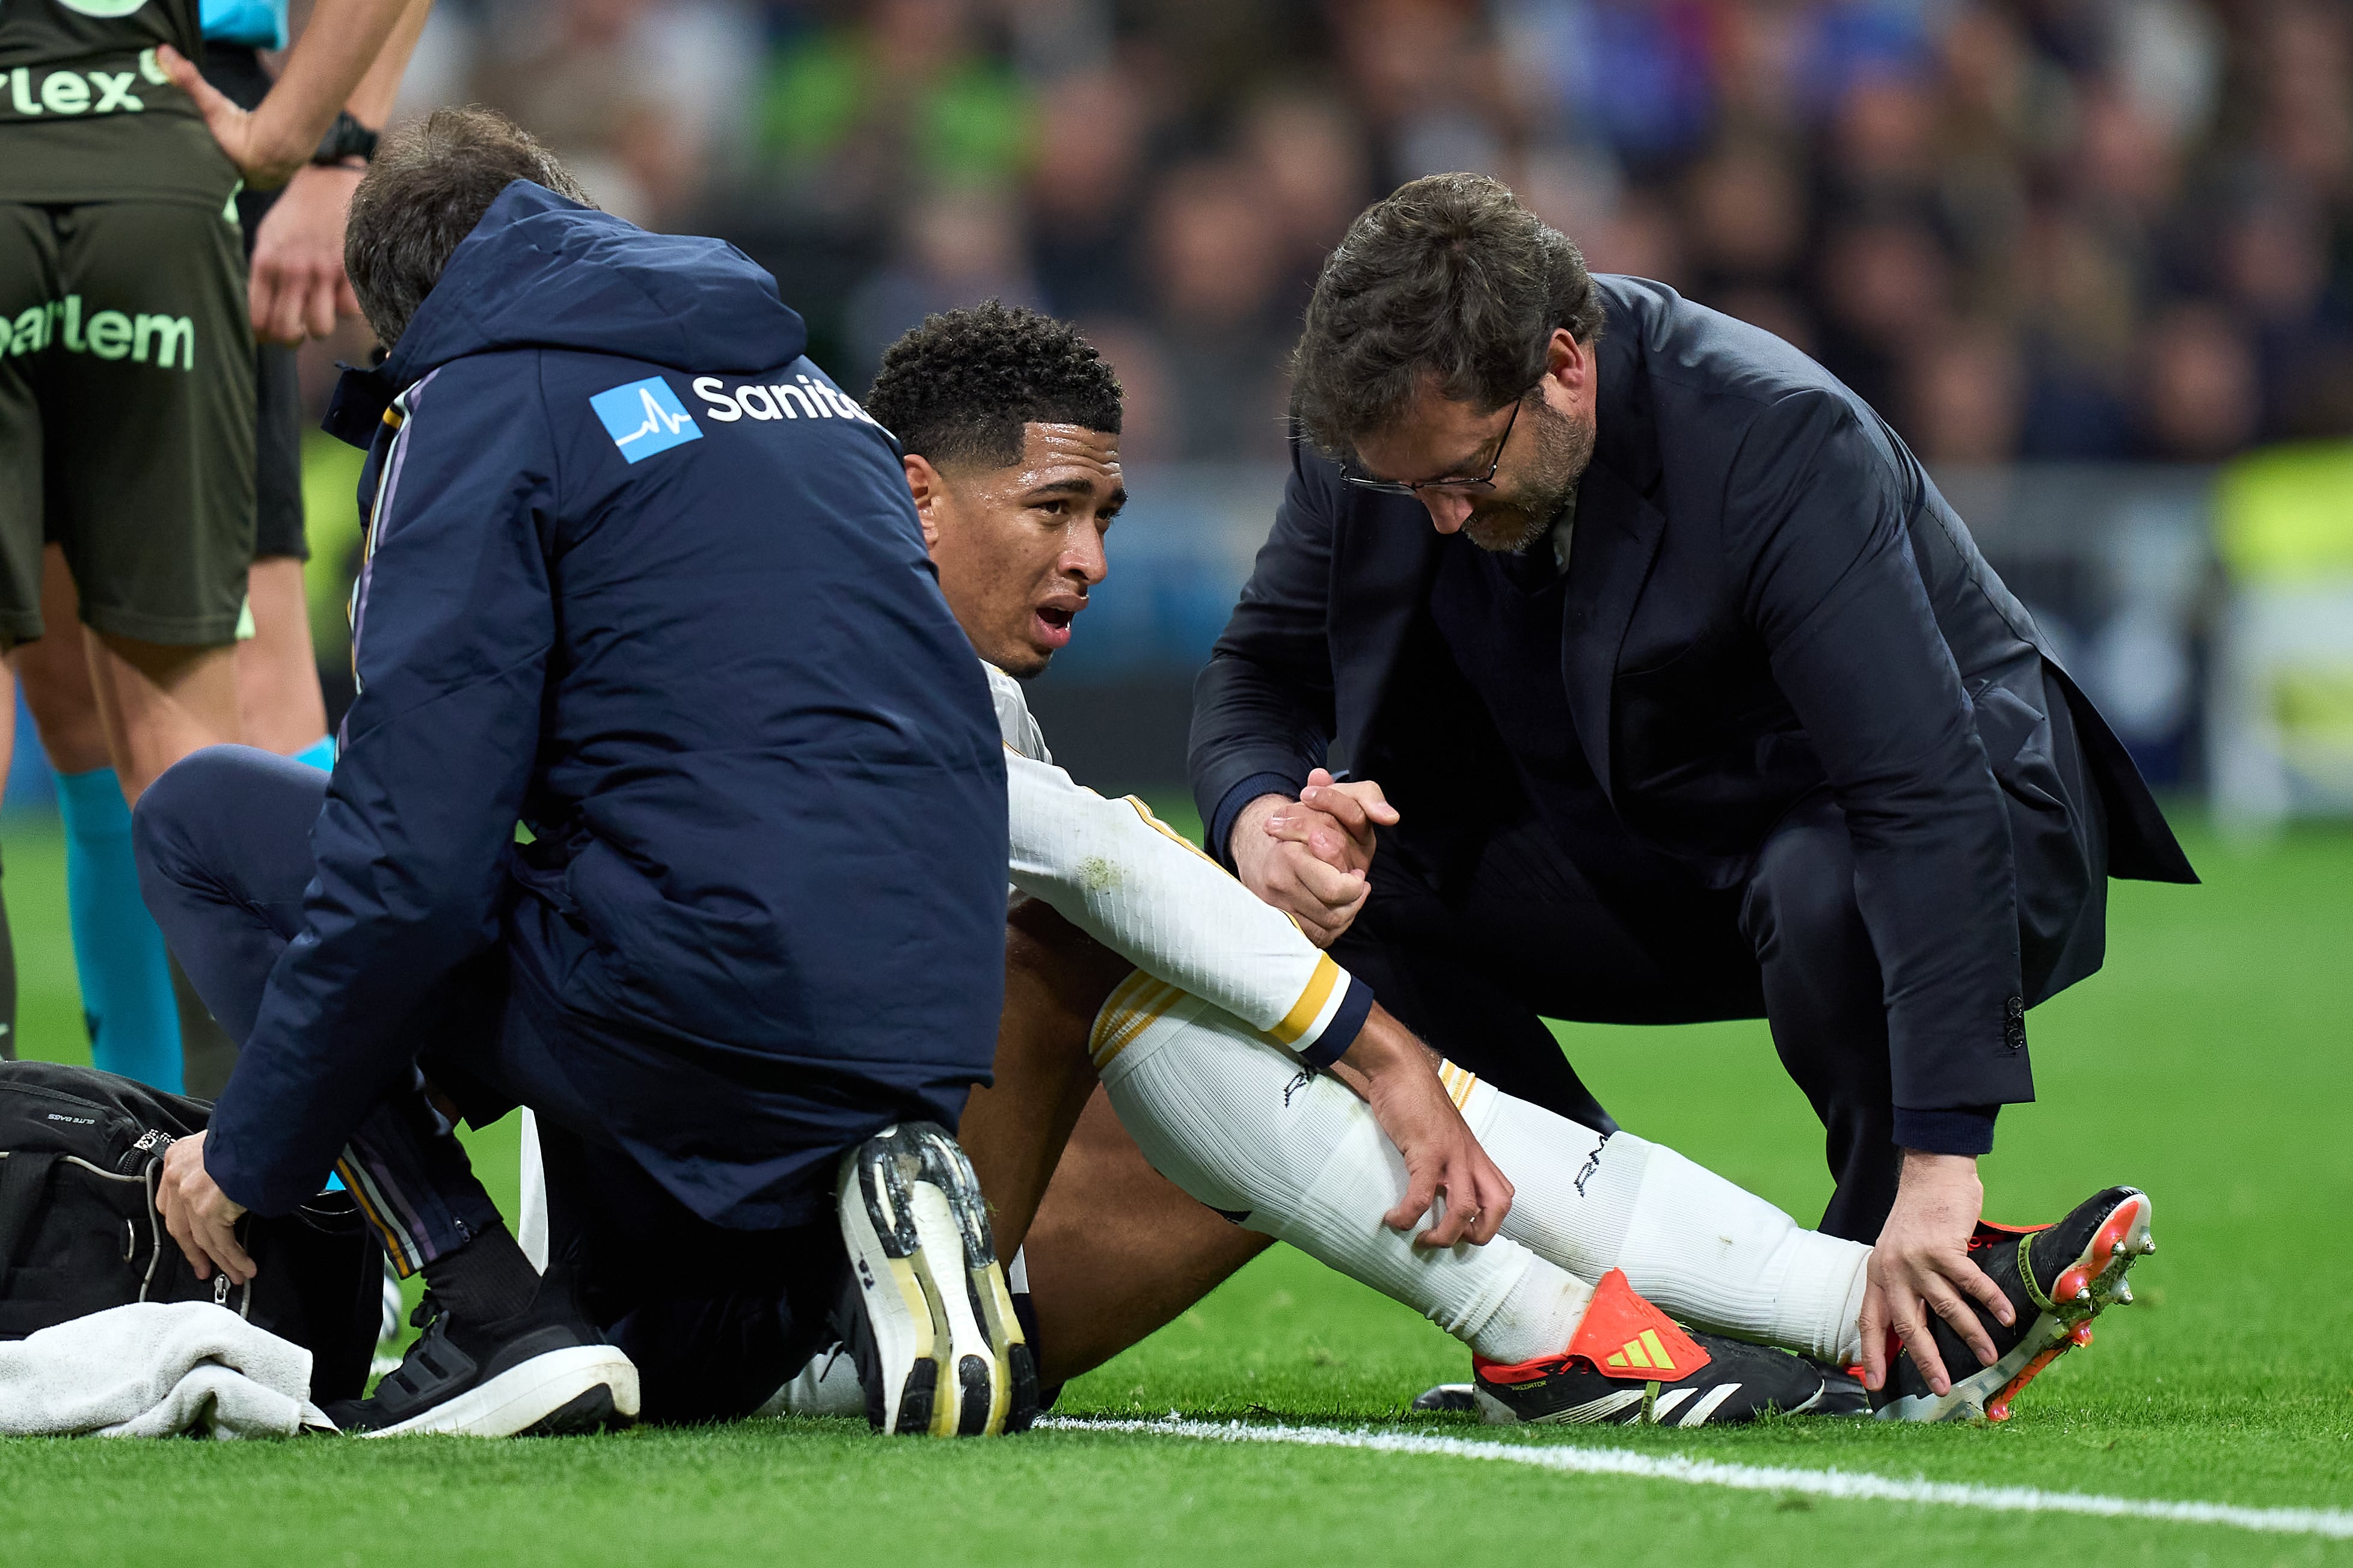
pixel 958 388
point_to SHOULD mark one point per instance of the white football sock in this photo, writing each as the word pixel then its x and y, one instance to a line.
pixel 1537 1316
pixel 1711 1253
pixel 1235 1122
pixel 531 1220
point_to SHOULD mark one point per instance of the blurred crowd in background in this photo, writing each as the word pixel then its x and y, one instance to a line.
pixel 2075 229
pixel 2094 259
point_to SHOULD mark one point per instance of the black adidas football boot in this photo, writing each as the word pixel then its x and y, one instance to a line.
pixel 926 1315
pixel 544 1372
pixel 1629 1363
pixel 2058 1279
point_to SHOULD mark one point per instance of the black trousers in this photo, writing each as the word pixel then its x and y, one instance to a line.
pixel 715 1319
pixel 1474 959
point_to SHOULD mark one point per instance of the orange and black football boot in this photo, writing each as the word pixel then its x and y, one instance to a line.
pixel 2058 1279
pixel 1629 1363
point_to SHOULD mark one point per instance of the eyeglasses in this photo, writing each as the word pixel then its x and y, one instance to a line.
pixel 1481 485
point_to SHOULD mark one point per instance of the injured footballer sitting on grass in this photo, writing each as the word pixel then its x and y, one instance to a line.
pixel 1271 1087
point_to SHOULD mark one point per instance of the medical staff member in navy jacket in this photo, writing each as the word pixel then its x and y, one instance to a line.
pixel 640 579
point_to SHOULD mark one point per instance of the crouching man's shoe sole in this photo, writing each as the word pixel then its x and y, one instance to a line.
pixel 2058 1279
pixel 939 1349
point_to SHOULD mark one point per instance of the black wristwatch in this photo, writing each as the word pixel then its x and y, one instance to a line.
pixel 346 138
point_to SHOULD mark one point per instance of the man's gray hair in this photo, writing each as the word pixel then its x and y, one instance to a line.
pixel 1449 281
pixel 429 186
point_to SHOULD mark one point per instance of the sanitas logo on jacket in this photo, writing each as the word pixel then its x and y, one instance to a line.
pixel 801 398
pixel 645 417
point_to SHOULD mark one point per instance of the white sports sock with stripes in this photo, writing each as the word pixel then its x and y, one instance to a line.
pixel 1235 1122
pixel 1711 1253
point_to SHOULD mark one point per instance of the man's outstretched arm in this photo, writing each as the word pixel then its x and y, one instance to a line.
pixel 453 626
pixel 1118 873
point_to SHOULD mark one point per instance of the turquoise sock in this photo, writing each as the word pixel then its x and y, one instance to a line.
pixel 126 981
pixel 320 754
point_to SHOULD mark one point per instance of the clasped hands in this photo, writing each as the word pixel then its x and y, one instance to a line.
pixel 1310 858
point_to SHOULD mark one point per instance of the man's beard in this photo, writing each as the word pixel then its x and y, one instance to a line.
pixel 1508 523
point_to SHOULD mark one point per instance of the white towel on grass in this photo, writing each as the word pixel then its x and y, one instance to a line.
pixel 155 1369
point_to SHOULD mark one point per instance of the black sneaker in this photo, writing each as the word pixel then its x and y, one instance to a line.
pixel 1448 1399
pixel 2058 1279
pixel 926 1314
pixel 1629 1363
pixel 543 1371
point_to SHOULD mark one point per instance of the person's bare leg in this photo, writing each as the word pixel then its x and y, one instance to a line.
pixel 160 703
pixel 1056 978
pixel 55 671
pixel 278 704
pixel 123 969
pixel 1117 1251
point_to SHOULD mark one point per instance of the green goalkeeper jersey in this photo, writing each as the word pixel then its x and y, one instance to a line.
pixel 86 113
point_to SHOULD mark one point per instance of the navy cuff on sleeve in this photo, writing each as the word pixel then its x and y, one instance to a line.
pixel 1966 1130
pixel 1345 1025
pixel 262 1190
pixel 222 1167
pixel 1221 822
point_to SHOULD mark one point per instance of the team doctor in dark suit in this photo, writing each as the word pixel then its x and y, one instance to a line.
pixel 1669 690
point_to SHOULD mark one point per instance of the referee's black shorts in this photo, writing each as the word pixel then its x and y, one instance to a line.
pixel 235 70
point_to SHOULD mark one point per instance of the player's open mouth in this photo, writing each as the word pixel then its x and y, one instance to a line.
pixel 1054 625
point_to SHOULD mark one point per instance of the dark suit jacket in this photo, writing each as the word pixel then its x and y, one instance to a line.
pixel 1766 598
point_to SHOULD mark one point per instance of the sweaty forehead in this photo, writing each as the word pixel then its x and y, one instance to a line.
pixel 1068 451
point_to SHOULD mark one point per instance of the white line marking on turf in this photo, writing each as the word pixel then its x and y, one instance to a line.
pixel 2333 1523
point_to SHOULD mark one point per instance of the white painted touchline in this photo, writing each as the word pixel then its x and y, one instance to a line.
pixel 2333 1523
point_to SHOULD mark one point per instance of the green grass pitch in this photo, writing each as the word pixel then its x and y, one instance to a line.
pixel 2208 1063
